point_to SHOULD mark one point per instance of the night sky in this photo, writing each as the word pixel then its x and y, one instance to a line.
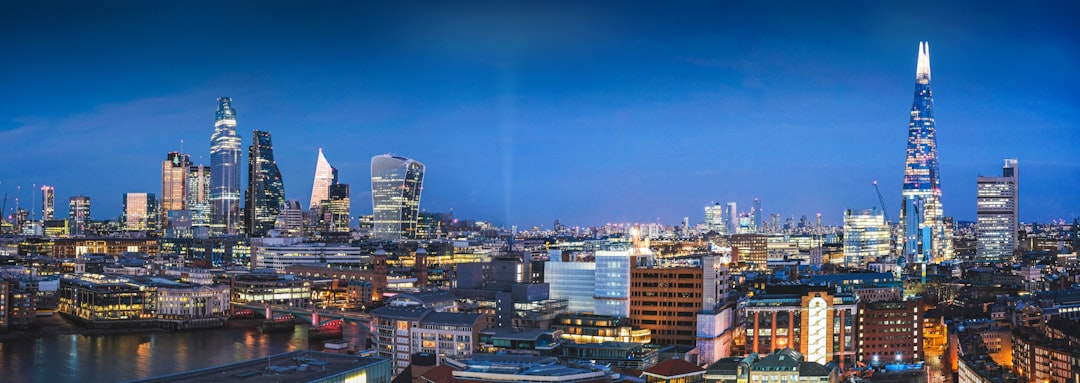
pixel 525 113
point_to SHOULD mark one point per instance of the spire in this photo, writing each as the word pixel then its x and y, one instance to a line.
pixel 922 74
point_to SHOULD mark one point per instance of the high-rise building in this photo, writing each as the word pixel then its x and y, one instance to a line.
pixel 714 218
pixel 866 237
pixel 79 214
pixel 174 183
pixel 757 215
pixel 265 194
pixel 225 169
pixel 197 196
pixel 731 215
pixel 997 213
pixel 292 218
pixel 325 175
pixel 927 237
pixel 335 209
pixel 396 183
pixel 48 202
pixel 140 212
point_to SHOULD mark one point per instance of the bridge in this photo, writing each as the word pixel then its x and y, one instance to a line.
pixel 306 314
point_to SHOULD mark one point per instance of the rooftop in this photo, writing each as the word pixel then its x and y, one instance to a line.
pixel 296 366
pixel 674 367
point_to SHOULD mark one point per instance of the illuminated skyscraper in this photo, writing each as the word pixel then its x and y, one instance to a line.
pixel 714 218
pixel 997 211
pixel 78 214
pixel 927 237
pixel 225 169
pixel 140 212
pixel 325 175
pixel 48 202
pixel 396 183
pixel 197 196
pixel 866 237
pixel 266 192
pixel 756 214
pixel 173 183
pixel 335 209
pixel 731 215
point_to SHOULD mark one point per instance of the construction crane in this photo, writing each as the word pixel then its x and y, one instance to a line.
pixel 882 201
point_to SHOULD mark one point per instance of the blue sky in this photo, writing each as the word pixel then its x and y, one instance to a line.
pixel 587 112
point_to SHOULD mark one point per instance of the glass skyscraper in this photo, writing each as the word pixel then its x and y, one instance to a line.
pixel 48 202
pixel 997 212
pixel 174 183
pixel 225 169
pixel 927 237
pixel 325 175
pixel 79 214
pixel 266 192
pixel 396 183
pixel 140 212
pixel 866 237
pixel 197 197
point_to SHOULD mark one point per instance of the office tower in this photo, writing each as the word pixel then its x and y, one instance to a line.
pixel 48 203
pixel 197 196
pixel 325 175
pixel 732 217
pixel 757 215
pixel 140 212
pixel 292 218
pixel 997 211
pixel 927 238
pixel 174 183
pixel 396 183
pixel 335 209
pixel 225 169
pixel 265 192
pixel 714 218
pixel 612 282
pixel 866 237
pixel 815 320
pixel 669 311
pixel 79 214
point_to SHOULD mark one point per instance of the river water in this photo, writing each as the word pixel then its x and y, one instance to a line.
pixel 123 357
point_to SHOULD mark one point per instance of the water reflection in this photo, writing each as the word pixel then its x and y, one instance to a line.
pixel 110 358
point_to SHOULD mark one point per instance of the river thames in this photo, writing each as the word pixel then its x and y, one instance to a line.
pixel 124 357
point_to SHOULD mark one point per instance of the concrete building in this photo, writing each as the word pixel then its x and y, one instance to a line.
pixel 399 332
pixel 280 253
pixel 269 288
pixel 890 332
pixel 666 300
pixel 750 251
pixel 815 321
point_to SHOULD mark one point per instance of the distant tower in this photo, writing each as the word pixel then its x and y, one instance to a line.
pixel 225 169
pixel 997 210
pixel 714 218
pixel 396 183
pixel 266 191
pixel 197 197
pixel 927 238
pixel 336 209
pixel 732 216
pixel 325 175
pixel 79 214
pixel 174 183
pixel 48 202
pixel 757 215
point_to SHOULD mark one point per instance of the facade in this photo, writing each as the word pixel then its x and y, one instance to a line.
pixel 611 288
pixel 866 237
pixel 810 319
pixel 325 175
pixel 225 171
pixel 140 212
pixel 190 302
pixel 714 218
pixel 573 281
pixel 265 194
pixel 48 203
pixel 1040 358
pixel 396 183
pixel 927 236
pixel 750 251
pixel 106 300
pixel 275 289
pixel 634 355
pixel 592 328
pixel 997 211
pixel 278 255
pixel 890 332
pixel 399 332
pixel 173 184
pixel 78 214
pixel 197 197
pixel 666 300
pixel 336 209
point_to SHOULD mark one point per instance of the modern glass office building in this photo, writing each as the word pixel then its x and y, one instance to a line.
pixel 997 212
pixel 266 191
pixel 173 183
pixel 325 176
pixel 197 196
pixel 866 237
pixel 396 183
pixel 225 171
pixel 927 237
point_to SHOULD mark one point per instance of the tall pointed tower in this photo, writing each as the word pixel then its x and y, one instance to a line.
pixel 325 176
pixel 927 237
pixel 225 168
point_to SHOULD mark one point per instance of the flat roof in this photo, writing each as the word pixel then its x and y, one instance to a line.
pixel 296 366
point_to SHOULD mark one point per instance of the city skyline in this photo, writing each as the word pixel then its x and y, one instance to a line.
pixel 532 125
